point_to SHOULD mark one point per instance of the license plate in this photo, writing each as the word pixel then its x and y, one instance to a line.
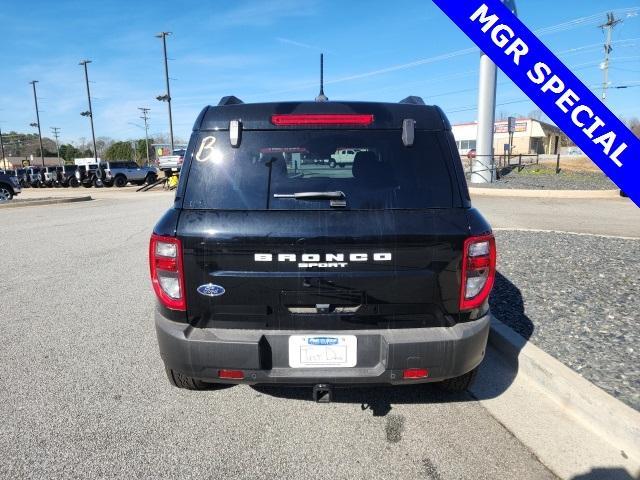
pixel 318 351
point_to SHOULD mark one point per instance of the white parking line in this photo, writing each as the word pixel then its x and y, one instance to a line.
pixel 582 234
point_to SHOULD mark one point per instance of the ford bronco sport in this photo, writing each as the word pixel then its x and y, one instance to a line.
pixel 268 270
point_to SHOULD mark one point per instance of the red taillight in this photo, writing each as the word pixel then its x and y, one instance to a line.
pixel 167 275
pixel 231 374
pixel 322 119
pixel 413 373
pixel 478 271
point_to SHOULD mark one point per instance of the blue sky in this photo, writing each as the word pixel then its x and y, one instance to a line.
pixel 268 51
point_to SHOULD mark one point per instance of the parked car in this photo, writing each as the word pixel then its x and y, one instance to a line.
pixel 34 176
pixel 21 175
pixel 119 173
pixel 343 157
pixel 88 175
pixel 172 163
pixel 377 273
pixel 50 176
pixel 9 186
pixel 67 176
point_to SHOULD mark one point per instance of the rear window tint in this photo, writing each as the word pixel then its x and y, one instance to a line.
pixel 372 168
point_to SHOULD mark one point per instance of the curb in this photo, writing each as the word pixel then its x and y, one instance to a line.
pixel 514 192
pixel 608 418
pixel 43 201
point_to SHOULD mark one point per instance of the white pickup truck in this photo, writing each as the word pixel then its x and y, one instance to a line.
pixel 343 157
pixel 172 163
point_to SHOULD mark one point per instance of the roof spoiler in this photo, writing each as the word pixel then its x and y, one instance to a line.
pixel 413 100
pixel 229 100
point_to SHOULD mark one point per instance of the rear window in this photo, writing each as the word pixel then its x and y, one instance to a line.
pixel 372 168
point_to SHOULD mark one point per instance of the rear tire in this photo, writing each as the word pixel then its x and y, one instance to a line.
pixel 459 384
pixel 120 181
pixel 332 164
pixel 151 178
pixel 182 381
pixel 73 182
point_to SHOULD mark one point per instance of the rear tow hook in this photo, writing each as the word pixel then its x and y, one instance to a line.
pixel 322 393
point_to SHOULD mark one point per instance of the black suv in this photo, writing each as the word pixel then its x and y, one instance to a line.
pixel 270 270
pixel 67 176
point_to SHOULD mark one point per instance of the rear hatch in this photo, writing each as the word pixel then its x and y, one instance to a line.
pixel 272 241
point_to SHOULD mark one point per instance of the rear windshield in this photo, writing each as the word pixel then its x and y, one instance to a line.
pixel 368 169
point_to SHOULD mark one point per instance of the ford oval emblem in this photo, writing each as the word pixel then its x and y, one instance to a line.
pixel 211 290
pixel 322 341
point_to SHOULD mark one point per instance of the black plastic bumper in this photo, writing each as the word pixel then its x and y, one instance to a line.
pixel 262 355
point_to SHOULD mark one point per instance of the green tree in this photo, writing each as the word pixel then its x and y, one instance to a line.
pixel 119 151
pixel 141 151
pixel 69 152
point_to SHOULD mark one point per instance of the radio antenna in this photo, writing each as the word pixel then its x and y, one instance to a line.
pixel 321 96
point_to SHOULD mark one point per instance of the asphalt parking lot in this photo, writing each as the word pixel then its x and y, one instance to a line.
pixel 83 393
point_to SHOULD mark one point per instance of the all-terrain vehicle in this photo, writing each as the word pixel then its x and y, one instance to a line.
pixel 375 273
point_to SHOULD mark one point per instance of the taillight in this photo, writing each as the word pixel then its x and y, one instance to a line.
pixel 322 119
pixel 167 274
pixel 478 270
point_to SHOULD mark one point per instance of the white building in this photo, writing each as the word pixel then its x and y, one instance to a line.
pixel 531 136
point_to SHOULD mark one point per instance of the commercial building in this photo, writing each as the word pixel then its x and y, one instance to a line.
pixel 531 136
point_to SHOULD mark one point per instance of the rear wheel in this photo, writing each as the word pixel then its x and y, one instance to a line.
pixel 120 181
pixel 332 163
pixel 73 182
pixel 182 381
pixel 151 178
pixel 459 384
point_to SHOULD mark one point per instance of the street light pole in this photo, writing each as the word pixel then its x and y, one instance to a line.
pixel 2 148
pixel 167 97
pixel 145 117
pixel 35 99
pixel 55 131
pixel 90 112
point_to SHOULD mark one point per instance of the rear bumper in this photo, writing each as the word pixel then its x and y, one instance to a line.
pixel 382 355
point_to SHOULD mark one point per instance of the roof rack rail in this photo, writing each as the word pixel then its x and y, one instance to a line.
pixel 413 100
pixel 229 100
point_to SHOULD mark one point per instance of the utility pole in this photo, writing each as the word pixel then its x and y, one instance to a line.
pixel 166 97
pixel 89 113
pixel 2 148
pixel 56 131
pixel 483 165
pixel 612 21
pixel 145 117
pixel 35 99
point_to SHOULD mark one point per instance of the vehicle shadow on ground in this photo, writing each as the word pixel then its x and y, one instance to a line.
pixel 604 474
pixel 507 306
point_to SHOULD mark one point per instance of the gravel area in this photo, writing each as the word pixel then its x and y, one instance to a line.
pixel 544 178
pixel 576 297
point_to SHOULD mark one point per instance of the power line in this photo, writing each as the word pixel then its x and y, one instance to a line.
pixel 612 21
pixel 56 131
pixel 145 117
